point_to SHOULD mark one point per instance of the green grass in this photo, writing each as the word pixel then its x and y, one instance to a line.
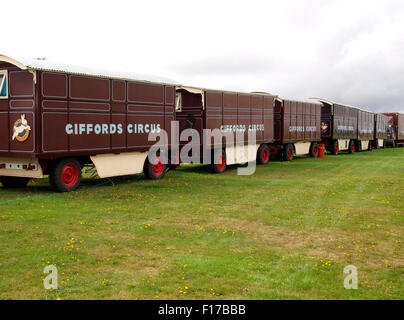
pixel 286 232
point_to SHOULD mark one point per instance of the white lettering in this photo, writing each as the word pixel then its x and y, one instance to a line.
pixel 97 129
pixel 69 129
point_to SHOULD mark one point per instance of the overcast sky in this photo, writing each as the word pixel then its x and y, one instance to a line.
pixel 346 51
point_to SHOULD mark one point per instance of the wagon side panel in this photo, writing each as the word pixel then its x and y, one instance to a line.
pixel 230 112
pixel 214 112
pixel 288 120
pixel 257 105
pixel 400 126
pixel 244 113
pixel 345 124
pixel 365 125
pixel 268 119
pixel 145 113
pixel 18 118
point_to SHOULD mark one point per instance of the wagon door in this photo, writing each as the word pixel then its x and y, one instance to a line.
pixel 189 110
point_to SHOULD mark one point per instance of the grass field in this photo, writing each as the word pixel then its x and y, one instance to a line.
pixel 286 232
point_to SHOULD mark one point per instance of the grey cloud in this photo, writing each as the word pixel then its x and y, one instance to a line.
pixel 375 82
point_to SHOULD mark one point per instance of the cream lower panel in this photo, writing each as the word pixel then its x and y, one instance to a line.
pixel 365 145
pixel 380 142
pixel 16 169
pixel 302 148
pixel 343 144
pixel 241 154
pixel 111 165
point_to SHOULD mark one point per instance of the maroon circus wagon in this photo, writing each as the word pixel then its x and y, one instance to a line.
pixel 395 136
pixel 296 128
pixel 230 114
pixel 381 128
pixel 346 128
pixel 56 118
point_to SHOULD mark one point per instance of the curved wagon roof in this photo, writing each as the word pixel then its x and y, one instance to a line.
pixel 325 101
pixel 311 101
pixel 47 65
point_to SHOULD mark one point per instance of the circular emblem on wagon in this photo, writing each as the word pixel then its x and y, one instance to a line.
pixel 324 127
pixel 21 129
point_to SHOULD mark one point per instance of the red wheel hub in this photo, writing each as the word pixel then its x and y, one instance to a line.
pixel 336 149
pixel 370 146
pixel 265 155
pixel 70 174
pixel 290 153
pixel 315 151
pixel 221 162
pixel 158 166
pixel 352 148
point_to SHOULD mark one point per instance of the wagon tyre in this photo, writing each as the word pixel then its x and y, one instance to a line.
pixel 351 147
pixel 155 170
pixel 370 147
pixel 358 146
pixel 219 163
pixel 263 154
pixel 65 175
pixel 335 148
pixel 14 182
pixel 288 153
pixel 314 150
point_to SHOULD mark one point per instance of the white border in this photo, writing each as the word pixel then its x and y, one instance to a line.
pixel 42 141
pixel 145 84
pixel 13 100
pixel 126 91
pixel 91 78
pixel 42 86
pixel 22 96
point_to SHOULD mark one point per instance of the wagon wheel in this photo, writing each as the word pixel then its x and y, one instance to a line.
pixel 314 150
pixel 358 146
pixel 65 175
pixel 263 154
pixel 335 148
pixel 218 161
pixel 155 170
pixel 351 147
pixel 288 152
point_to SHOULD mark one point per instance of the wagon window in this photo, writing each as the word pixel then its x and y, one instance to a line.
pixel 3 85
pixel 178 102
